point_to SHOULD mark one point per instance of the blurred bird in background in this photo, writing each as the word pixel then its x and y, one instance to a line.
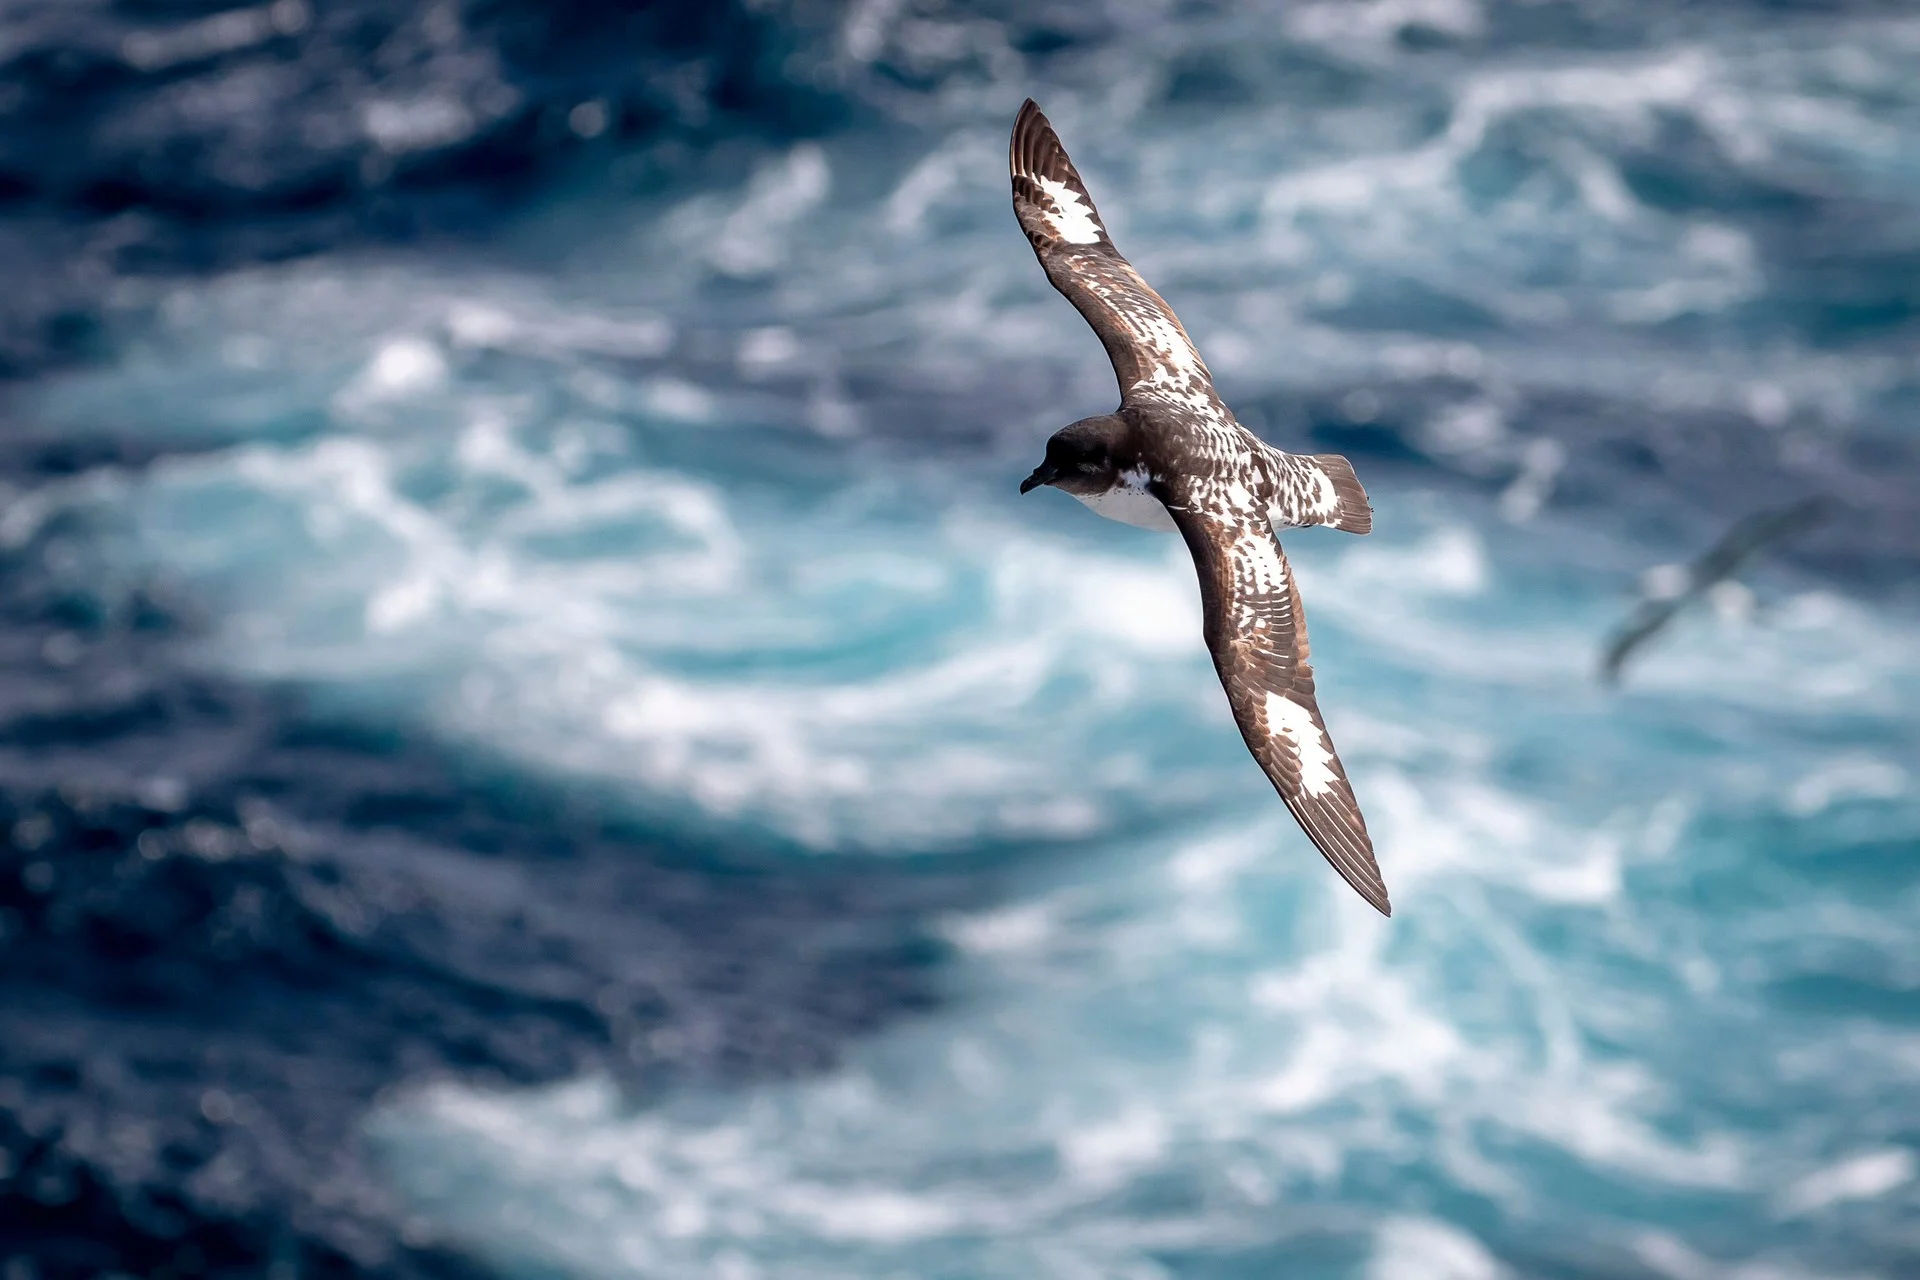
pixel 1667 589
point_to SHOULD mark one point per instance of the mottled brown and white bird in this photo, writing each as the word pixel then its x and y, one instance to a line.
pixel 1173 457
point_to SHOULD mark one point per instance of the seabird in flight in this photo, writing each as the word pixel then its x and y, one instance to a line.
pixel 1671 588
pixel 1173 457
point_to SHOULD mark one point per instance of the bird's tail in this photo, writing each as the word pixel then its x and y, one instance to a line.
pixel 1318 488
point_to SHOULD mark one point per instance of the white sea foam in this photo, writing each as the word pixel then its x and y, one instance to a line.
pixel 614 524
pixel 532 582
pixel 1426 1247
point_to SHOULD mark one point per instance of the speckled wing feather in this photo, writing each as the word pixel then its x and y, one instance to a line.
pixel 1151 352
pixel 1258 637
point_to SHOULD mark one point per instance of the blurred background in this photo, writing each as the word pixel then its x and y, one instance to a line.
pixel 537 738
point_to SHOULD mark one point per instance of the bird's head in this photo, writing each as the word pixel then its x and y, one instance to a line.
pixel 1081 457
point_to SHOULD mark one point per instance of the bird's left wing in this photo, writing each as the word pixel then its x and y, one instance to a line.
pixel 1258 637
pixel 1149 348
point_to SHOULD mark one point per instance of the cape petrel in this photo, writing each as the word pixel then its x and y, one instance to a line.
pixel 1173 457
pixel 1673 587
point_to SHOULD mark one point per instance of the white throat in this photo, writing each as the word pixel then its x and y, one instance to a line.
pixel 1129 502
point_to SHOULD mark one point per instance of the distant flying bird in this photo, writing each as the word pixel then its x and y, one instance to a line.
pixel 1173 457
pixel 1668 593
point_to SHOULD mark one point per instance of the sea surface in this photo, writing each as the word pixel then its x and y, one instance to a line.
pixel 538 739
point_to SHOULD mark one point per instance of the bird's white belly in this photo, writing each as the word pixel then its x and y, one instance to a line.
pixel 1130 505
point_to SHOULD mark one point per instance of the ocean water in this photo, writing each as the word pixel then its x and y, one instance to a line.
pixel 541 739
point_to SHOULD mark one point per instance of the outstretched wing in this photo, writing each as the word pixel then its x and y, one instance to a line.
pixel 1258 637
pixel 1144 339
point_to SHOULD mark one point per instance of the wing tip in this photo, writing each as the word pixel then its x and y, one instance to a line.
pixel 1375 893
pixel 1031 129
pixel 1039 164
pixel 1611 662
pixel 1348 849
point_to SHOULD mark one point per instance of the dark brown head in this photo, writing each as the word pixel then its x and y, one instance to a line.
pixel 1083 457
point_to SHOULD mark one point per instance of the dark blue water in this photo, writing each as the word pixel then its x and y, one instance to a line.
pixel 537 738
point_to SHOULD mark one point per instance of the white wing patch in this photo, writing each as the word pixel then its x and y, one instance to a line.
pixel 1071 218
pixel 1289 720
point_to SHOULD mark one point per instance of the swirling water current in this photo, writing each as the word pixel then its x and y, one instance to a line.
pixel 542 740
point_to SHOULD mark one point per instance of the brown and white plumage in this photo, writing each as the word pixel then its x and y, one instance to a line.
pixel 1257 634
pixel 1173 456
pixel 1143 338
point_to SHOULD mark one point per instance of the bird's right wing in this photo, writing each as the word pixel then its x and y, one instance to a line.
pixel 1150 350
pixel 1258 637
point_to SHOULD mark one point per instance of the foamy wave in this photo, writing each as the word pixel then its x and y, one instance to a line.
pixel 649 520
pixel 1180 1032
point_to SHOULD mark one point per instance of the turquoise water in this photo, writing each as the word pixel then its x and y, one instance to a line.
pixel 705 496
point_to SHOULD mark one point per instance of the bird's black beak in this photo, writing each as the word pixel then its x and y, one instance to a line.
pixel 1045 473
